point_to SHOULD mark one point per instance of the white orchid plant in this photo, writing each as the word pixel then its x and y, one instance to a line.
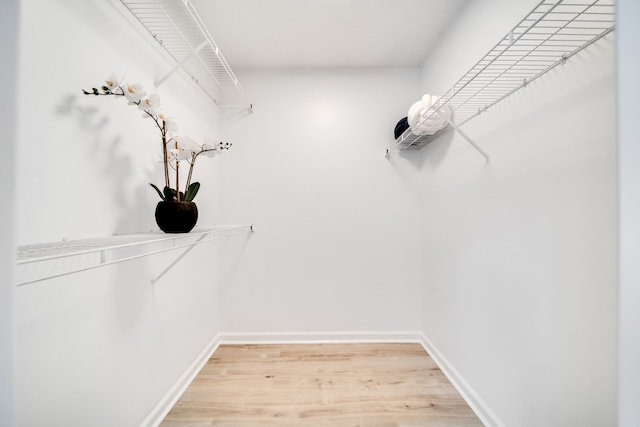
pixel 175 147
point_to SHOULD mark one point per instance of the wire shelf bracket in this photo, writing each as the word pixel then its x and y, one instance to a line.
pixel 463 134
pixel 553 32
pixel 177 27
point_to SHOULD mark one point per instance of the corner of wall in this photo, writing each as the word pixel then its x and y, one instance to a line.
pixel 9 18
pixel 628 69
pixel 163 407
pixel 473 399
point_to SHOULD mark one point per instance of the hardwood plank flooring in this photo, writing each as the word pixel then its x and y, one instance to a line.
pixel 321 385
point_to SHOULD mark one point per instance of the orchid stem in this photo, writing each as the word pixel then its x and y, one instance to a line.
pixel 164 154
pixel 177 177
pixel 193 162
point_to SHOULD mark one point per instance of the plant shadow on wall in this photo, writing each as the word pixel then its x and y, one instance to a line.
pixel 107 152
pixel 176 212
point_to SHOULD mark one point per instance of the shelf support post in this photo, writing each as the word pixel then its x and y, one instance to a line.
pixel 175 261
pixel 462 133
pixel 181 63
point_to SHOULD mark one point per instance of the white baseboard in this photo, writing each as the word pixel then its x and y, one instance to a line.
pixel 472 398
pixel 163 407
pixel 319 337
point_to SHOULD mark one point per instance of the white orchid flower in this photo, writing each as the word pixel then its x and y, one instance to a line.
pixel 134 92
pixel 209 150
pixel 112 82
pixel 188 144
pixel 151 104
pixel 184 155
pixel 169 124
pixel 178 154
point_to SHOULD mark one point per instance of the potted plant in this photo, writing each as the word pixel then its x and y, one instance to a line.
pixel 176 212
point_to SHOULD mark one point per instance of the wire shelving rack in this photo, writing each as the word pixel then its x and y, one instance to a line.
pixel 59 259
pixel 553 32
pixel 176 25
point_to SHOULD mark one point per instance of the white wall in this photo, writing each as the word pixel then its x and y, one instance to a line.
pixel 336 241
pixel 519 256
pixel 628 62
pixel 515 261
pixel 9 53
pixel 102 347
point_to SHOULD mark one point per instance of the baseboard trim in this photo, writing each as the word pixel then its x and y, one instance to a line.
pixel 478 406
pixel 319 337
pixel 163 407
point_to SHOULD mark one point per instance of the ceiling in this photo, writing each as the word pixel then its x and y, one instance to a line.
pixel 326 33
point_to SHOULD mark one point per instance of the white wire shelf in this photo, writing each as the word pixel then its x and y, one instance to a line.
pixel 68 257
pixel 548 36
pixel 176 25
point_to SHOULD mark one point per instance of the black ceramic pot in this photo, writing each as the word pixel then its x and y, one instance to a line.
pixel 176 217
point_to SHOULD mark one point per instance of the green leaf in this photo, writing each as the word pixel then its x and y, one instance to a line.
pixel 192 191
pixel 169 193
pixel 158 190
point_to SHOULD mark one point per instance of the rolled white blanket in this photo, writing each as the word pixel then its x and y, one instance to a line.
pixel 429 100
pixel 414 112
pixel 423 119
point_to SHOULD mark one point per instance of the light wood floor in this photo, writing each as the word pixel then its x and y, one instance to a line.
pixel 321 385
